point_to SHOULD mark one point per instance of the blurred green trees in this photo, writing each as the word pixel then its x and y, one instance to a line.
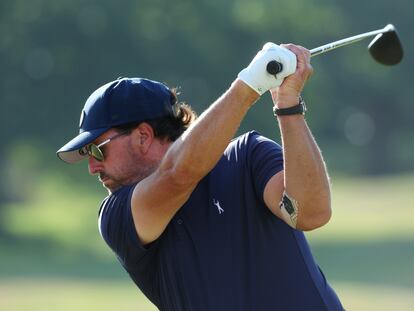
pixel 53 54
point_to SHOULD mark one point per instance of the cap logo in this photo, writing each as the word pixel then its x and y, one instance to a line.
pixel 82 117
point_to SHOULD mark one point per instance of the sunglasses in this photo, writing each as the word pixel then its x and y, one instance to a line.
pixel 95 150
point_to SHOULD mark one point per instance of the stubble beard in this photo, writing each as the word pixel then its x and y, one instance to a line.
pixel 127 176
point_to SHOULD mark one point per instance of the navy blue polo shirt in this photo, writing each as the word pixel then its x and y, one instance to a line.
pixel 224 249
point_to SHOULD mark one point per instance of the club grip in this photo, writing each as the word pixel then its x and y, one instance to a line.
pixel 273 67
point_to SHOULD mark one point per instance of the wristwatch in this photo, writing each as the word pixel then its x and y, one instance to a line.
pixel 300 108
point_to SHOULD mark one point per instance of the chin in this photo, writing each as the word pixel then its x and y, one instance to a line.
pixel 111 187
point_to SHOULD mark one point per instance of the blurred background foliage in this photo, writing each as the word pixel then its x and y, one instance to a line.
pixel 53 54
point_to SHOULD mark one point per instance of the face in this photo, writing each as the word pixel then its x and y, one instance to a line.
pixel 123 163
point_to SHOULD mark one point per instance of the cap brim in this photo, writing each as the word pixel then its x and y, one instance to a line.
pixel 70 152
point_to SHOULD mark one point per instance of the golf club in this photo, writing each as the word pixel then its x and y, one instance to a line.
pixel 385 48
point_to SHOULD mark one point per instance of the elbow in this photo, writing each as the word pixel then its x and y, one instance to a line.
pixel 183 177
pixel 316 219
pixel 178 173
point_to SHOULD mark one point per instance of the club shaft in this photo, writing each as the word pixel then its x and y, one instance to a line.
pixel 274 67
pixel 334 45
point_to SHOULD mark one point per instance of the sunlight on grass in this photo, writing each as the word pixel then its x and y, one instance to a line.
pixel 374 297
pixel 369 209
pixel 367 243
pixel 60 212
pixel 70 295
pixel 363 209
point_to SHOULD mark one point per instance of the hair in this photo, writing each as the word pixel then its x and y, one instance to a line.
pixel 168 127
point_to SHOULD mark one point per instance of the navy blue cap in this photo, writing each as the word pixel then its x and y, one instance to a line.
pixel 122 101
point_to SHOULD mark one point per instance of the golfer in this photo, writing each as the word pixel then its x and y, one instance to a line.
pixel 202 221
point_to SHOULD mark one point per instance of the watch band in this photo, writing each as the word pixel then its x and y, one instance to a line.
pixel 300 108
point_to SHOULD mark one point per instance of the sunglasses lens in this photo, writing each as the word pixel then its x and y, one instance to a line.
pixel 96 152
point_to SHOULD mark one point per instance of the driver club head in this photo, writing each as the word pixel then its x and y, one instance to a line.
pixel 386 47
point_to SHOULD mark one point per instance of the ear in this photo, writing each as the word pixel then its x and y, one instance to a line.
pixel 143 137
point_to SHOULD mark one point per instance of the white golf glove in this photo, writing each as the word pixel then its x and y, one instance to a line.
pixel 256 76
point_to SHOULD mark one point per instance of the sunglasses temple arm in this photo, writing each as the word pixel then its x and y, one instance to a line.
pixel 104 143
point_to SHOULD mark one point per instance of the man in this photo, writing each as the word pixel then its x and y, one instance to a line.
pixel 201 221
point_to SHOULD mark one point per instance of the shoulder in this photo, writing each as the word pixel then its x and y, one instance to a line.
pixel 251 138
pixel 118 199
pixel 115 212
pixel 117 228
pixel 250 141
pixel 246 137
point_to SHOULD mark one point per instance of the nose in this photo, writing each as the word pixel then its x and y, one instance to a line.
pixel 94 166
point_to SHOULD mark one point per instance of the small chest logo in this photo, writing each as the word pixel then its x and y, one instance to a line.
pixel 217 205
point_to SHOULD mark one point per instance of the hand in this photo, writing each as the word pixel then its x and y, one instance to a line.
pixel 287 94
pixel 256 76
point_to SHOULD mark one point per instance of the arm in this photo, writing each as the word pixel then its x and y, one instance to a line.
pixel 158 197
pixel 304 178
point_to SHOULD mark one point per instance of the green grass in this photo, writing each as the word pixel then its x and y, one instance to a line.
pixel 368 209
pixel 356 297
pixel 57 211
pixel 52 256
pixel 71 295
pixel 82 295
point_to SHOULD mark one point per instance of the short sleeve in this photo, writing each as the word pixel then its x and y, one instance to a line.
pixel 265 159
pixel 117 228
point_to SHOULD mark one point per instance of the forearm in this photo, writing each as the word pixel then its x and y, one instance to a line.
pixel 197 151
pixel 305 176
pixel 158 197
